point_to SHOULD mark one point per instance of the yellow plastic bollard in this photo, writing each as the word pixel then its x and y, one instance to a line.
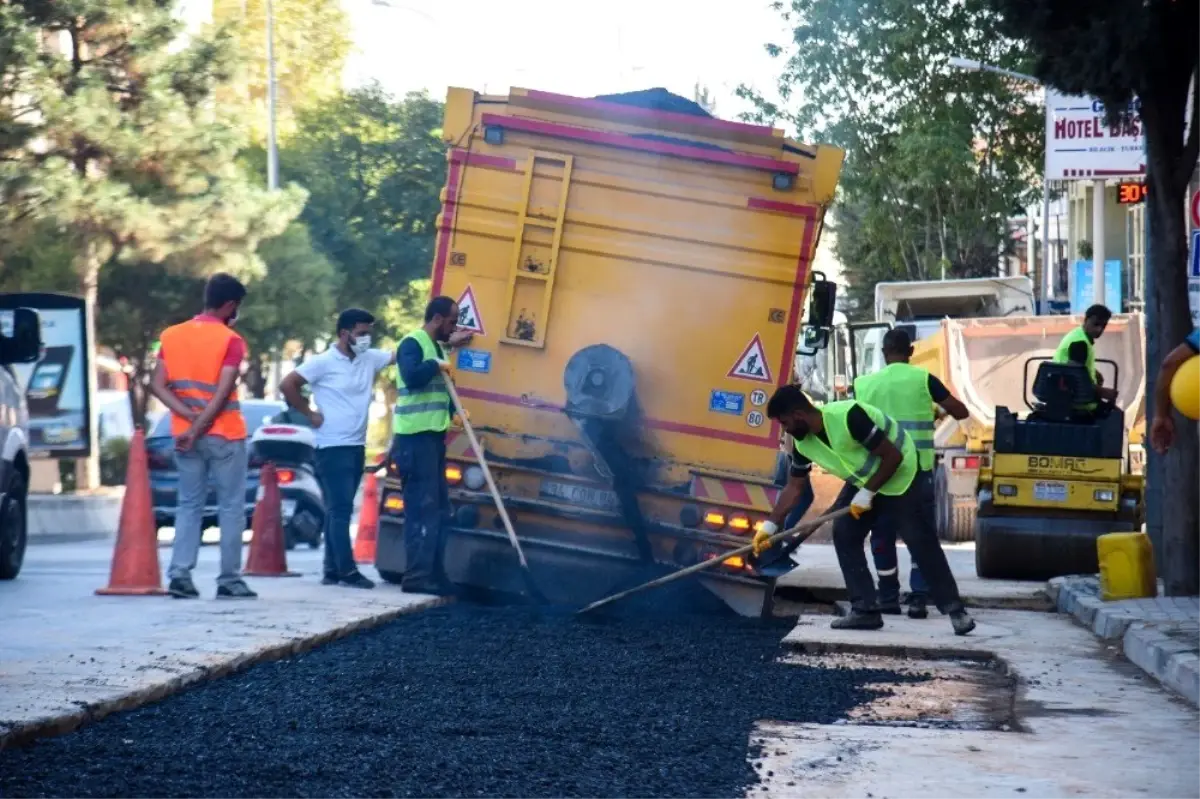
pixel 1126 566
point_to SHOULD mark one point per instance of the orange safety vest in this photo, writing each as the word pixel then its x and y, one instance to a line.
pixel 195 351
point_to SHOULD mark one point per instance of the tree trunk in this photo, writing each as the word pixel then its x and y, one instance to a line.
pixel 1168 311
pixel 254 379
pixel 87 470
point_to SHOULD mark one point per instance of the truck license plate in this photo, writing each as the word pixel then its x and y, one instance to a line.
pixel 1050 492
pixel 579 494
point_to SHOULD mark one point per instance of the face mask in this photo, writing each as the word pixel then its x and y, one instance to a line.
pixel 360 345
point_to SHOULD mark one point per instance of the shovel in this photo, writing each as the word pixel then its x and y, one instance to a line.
pixel 802 531
pixel 491 483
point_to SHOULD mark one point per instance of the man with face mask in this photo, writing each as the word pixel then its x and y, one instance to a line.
pixel 343 382
pixel 196 378
pixel 885 487
pixel 422 415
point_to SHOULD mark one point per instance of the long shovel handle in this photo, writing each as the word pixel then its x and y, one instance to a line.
pixel 487 473
pixel 804 528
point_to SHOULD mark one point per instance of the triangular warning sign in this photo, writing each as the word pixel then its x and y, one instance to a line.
pixel 468 313
pixel 752 363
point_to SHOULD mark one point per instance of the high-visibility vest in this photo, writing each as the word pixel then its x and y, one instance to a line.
pixel 195 353
pixel 427 409
pixel 850 460
pixel 901 391
pixel 1063 355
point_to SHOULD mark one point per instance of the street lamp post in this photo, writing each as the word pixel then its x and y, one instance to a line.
pixel 1046 284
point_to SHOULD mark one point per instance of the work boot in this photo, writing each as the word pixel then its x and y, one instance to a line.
pixel 235 590
pixel 890 608
pixel 329 579
pixel 962 621
pixel 357 579
pixel 183 588
pixel 422 586
pixel 858 620
pixel 916 608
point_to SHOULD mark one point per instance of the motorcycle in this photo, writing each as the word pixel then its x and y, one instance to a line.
pixel 287 440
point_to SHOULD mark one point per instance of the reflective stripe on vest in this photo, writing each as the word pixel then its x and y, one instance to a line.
pixel 848 459
pixel 426 409
pixel 901 391
pixel 1063 355
pixel 193 355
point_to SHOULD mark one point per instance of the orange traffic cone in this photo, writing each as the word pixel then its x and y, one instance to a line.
pixel 135 569
pixel 267 556
pixel 368 522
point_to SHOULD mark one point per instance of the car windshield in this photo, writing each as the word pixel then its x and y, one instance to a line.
pixel 256 413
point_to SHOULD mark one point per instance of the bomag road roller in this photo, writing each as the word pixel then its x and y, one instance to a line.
pixel 1059 479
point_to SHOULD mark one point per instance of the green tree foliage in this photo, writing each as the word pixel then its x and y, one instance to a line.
pixel 293 301
pixel 312 41
pixel 937 159
pixel 1148 50
pixel 374 168
pixel 119 146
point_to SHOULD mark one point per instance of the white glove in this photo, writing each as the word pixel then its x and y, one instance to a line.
pixel 861 502
pixel 763 536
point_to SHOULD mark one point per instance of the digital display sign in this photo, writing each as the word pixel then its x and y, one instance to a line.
pixel 1131 193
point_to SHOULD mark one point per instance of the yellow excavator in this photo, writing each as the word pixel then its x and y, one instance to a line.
pixel 1059 478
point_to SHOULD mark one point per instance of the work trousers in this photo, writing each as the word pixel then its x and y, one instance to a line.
pixel 911 516
pixel 421 464
pixel 224 461
pixel 340 471
pixel 887 564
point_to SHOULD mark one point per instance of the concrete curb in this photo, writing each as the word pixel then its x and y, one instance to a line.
pixel 64 518
pixel 1161 635
pixel 48 726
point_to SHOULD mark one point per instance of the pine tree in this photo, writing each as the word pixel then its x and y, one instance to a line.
pixel 110 135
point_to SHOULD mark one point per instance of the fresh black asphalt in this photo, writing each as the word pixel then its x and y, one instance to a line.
pixel 464 700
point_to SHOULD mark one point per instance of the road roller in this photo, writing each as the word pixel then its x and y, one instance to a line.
pixel 1060 477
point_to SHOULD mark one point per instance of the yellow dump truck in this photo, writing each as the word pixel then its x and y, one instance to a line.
pixel 983 363
pixel 635 272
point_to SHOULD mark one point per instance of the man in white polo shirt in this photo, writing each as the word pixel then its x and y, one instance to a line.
pixel 343 382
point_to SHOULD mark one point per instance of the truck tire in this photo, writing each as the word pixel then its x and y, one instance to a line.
pixel 13 530
pixel 955 523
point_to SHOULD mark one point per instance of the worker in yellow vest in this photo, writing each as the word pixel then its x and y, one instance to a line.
pixel 1079 347
pixel 907 394
pixel 420 419
pixel 884 486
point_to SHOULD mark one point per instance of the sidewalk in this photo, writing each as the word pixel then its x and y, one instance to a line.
pixel 1160 635
pixel 68 656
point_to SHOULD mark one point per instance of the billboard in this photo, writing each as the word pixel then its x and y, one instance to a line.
pixel 1081 145
pixel 56 385
pixel 1083 287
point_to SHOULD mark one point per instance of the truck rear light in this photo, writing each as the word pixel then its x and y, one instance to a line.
pixel 285 476
pixel 714 519
pixel 1006 490
pixel 393 503
pixel 739 523
pixel 736 562
pixel 454 475
pixel 968 462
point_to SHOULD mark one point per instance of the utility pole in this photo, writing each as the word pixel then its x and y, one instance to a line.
pixel 272 147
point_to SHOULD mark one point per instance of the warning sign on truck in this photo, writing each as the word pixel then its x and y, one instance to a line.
pixel 468 313
pixel 752 363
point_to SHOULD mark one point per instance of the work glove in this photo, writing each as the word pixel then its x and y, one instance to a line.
pixel 861 502
pixel 457 419
pixel 762 539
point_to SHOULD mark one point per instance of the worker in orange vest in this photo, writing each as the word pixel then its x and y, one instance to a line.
pixel 196 378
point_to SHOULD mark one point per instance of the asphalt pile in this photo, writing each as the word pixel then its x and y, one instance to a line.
pixel 465 700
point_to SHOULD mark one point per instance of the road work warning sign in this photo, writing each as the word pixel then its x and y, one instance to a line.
pixel 752 363
pixel 468 313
